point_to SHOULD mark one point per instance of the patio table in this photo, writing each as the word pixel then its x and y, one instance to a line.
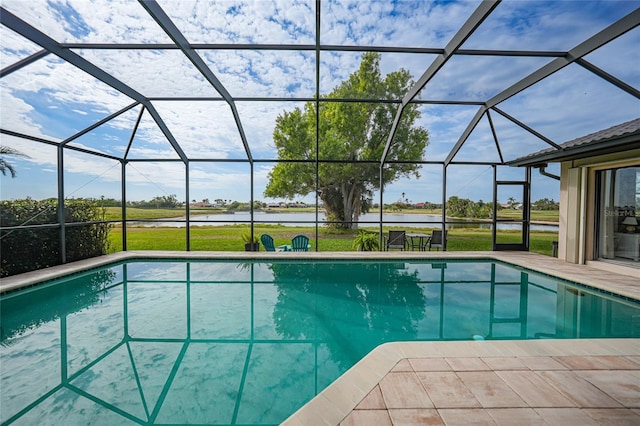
pixel 417 240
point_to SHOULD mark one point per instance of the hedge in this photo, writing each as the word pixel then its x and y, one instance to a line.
pixel 23 250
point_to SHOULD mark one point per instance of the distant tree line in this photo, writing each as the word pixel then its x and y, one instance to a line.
pixel 171 202
pixel 463 207
pixel 545 204
pixel 158 202
pixel 456 206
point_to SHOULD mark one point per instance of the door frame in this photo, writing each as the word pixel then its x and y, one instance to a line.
pixel 526 212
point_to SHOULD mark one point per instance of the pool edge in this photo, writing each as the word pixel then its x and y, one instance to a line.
pixel 601 279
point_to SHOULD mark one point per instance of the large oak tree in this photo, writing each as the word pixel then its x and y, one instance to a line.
pixel 348 132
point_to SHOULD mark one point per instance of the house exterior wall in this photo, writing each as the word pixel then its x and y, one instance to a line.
pixel 577 233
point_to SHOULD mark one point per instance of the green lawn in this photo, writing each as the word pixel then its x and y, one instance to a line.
pixel 536 215
pixel 227 238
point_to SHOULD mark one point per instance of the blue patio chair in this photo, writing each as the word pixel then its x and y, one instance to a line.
pixel 300 243
pixel 267 242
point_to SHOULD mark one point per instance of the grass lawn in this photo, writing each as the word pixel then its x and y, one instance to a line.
pixel 536 215
pixel 227 238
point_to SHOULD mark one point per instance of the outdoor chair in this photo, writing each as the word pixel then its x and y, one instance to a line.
pixel 300 243
pixel 436 240
pixel 267 242
pixel 396 240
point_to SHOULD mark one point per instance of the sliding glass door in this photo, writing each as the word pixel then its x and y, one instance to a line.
pixel 618 230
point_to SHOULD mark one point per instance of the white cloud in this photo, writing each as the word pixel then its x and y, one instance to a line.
pixel 214 181
pixel 445 124
pixel 471 78
pixel 536 25
pixel 244 21
pixel 263 73
pixel 54 100
pixel 51 84
pixel 14 47
pixel 89 21
pixel 259 119
pixel 405 23
pixel 203 129
pixel 151 72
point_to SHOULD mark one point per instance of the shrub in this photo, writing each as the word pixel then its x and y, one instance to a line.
pixel 29 249
pixel 366 241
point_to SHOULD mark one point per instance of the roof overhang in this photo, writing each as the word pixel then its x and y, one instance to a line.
pixel 611 145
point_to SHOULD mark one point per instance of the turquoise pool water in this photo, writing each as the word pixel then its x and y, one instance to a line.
pixel 223 342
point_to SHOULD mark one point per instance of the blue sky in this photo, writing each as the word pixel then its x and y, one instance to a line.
pixel 53 100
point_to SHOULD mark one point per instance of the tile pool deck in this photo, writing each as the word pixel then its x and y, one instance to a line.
pixel 564 382
pixel 586 382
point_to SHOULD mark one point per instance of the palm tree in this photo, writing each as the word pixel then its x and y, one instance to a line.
pixel 4 165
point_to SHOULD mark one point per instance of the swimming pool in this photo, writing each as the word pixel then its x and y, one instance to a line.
pixel 229 342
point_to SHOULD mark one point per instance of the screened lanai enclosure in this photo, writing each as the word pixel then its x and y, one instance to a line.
pixel 348 107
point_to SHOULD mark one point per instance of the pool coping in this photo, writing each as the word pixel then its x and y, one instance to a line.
pixel 609 281
pixel 336 402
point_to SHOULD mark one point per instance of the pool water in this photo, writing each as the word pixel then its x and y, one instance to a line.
pixel 225 342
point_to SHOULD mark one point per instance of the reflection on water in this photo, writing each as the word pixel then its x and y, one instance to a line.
pixel 351 311
pixel 221 342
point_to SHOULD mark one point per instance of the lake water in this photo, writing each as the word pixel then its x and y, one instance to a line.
pixel 301 219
